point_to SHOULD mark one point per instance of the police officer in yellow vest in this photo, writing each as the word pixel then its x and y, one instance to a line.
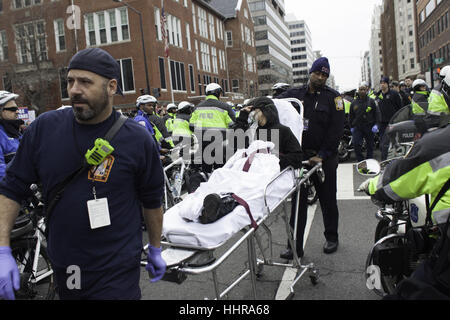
pixel 170 116
pixel 181 131
pixel 419 101
pixel 209 122
pixel 439 100
pixel 425 170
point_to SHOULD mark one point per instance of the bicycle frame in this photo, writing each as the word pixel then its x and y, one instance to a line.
pixel 37 275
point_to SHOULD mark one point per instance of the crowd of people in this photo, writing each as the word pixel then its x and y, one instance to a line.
pixel 369 112
pixel 128 183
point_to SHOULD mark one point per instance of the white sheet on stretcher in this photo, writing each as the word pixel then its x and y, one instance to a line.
pixel 249 186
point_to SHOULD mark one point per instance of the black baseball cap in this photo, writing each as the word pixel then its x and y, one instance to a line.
pixel 98 61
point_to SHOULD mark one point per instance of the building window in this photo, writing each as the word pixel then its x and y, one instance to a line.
pixel 206 60
pixel 229 38
pixel 219 29
pixel 1 5
pixel 178 76
pixel 196 54
pixel 60 38
pixel 31 42
pixel 188 37
pixel 162 73
pixel 194 22
pixel 412 63
pixel 260 20
pixel 212 32
pixel 174 31
pixel 3 46
pixel 124 24
pixel 102 27
pixel 127 75
pixel 235 85
pixel 214 60
pixel 25 3
pixel 202 23
pixel 257 5
pixel 191 77
pixel 429 8
pixel 158 24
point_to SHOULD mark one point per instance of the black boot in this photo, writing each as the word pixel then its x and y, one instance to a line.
pixel 289 255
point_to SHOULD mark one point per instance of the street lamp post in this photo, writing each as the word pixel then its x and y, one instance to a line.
pixel 143 42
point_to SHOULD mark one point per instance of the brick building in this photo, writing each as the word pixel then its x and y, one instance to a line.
pixel 38 38
pixel 433 18
pixel 240 46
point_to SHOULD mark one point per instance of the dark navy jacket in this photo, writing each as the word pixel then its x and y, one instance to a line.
pixel 52 148
pixel 323 119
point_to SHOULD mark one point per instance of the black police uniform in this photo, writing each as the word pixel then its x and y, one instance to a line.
pixel 323 127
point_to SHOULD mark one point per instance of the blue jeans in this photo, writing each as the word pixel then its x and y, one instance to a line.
pixel 360 134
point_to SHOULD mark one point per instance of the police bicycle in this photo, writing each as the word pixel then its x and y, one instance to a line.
pixel 28 246
pixel 177 172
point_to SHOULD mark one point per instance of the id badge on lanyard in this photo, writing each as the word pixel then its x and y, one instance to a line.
pixel 98 212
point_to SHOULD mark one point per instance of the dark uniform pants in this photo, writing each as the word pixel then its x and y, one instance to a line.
pixel 328 203
pixel 360 134
pixel 384 141
pixel 119 283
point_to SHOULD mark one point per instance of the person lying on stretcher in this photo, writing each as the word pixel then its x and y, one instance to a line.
pixel 263 111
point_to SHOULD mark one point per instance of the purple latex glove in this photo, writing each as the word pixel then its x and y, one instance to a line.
pixel 352 130
pixel 156 266
pixel 375 129
pixel 9 274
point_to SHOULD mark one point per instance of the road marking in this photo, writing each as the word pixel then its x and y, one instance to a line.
pixel 290 273
pixel 345 187
pixel 345 191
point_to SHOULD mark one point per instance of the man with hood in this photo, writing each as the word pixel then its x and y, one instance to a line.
pixel 265 113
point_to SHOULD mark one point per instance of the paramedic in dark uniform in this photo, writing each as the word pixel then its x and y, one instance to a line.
pixel 323 126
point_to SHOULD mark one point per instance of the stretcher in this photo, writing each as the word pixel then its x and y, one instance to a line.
pixel 191 248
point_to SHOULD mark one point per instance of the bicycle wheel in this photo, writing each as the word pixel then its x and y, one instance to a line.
pixel 35 284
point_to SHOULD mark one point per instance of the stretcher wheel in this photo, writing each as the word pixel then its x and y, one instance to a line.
pixel 314 277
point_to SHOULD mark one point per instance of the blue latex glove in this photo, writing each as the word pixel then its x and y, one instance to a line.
pixel 375 129
pixel 9 274
pixel 352 130
pixel 156 265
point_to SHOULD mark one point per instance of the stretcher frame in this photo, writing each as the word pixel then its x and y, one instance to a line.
pixel 178 273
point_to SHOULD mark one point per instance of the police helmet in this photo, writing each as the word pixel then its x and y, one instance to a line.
pixel 418 83
pixel 145 99
pixel 214 89
pixel 6 96
pixel 446 85
pixel 171 106
pixel 279 88
pixel 184 104
pixel 444 71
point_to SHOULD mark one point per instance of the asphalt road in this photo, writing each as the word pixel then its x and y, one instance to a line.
pixel 342 274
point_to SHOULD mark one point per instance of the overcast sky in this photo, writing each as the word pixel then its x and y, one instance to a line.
pixel 340 29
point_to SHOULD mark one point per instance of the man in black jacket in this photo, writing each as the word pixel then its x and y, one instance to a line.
pixel 323 127
pixel 389 102
pixel 362 118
